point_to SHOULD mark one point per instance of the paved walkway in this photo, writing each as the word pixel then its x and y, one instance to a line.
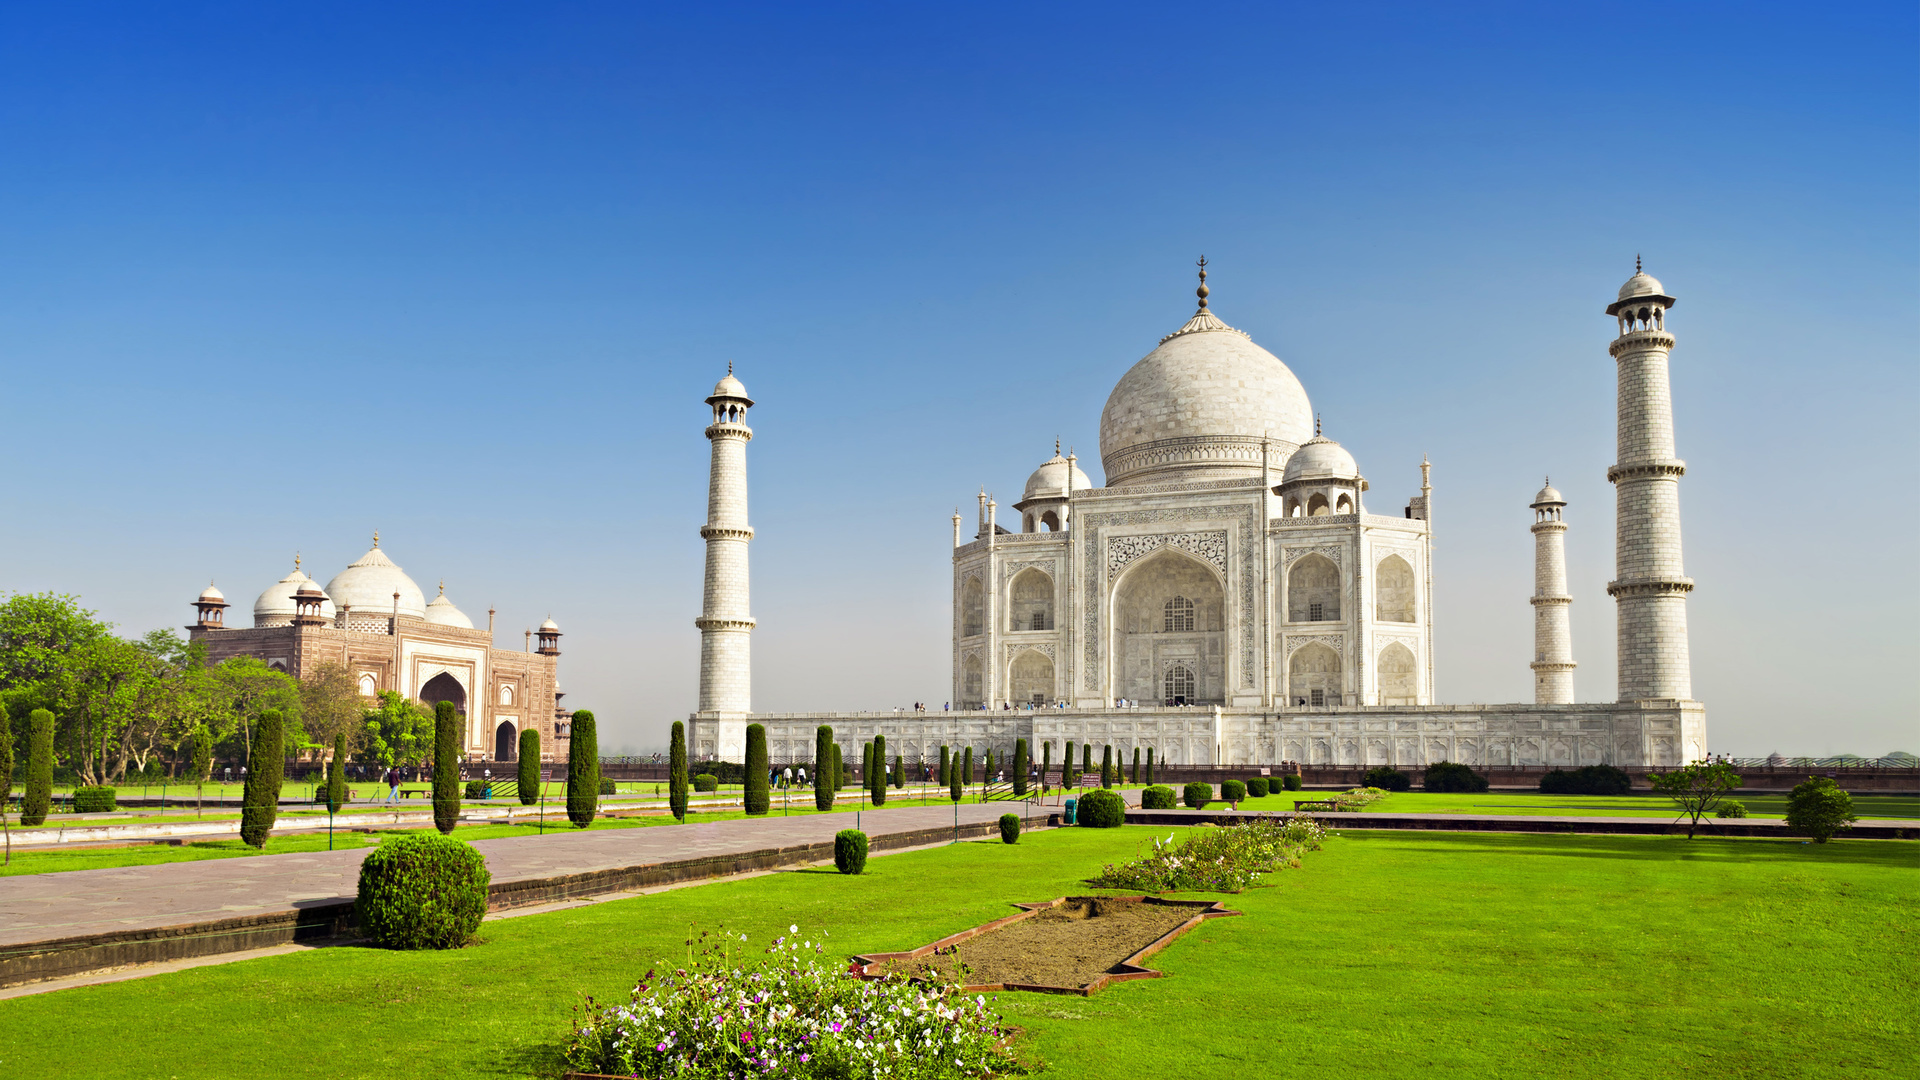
pixel 44 907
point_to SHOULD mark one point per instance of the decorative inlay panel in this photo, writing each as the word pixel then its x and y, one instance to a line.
pixel 1336 642
pixel 1211 546
pixel 1290 554
pixel 1096 577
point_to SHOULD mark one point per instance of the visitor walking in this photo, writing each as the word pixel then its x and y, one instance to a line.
pixel 393 787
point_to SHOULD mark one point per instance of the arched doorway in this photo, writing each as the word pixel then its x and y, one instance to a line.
pixel 505 745
pixel 444 687
pixel 1169 609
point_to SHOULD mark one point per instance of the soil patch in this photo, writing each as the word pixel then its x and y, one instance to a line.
pixel 1068 945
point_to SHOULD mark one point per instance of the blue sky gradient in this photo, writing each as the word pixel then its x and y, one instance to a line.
pixel 271 279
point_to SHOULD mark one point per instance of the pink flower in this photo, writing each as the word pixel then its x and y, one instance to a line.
pixel 834 1027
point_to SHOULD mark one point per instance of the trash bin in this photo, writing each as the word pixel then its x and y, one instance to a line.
pixel 1072 806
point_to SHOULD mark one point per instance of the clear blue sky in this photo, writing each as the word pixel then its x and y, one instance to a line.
pixel 272 277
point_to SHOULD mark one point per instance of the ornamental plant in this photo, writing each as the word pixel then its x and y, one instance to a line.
pixel 1020 768
pixel 1086 758
pixel 839 768
pixel 1009 828
pixel 422 891
pixel 1257 788
pixel 1388 778
pixel 527 783
pixel 706 782
pixel 1149 765
pixel 1066 767
pixel 1217 858
pixel 1157 797
pixel 1103 809
pixel 1107 770
pixel 1590 780
pixel 446 767
pixel 1233 791
pixel 966 768
pixel 757 797
pixel 1290 782
pixel 6 777
pixel 1046 760
pixel 1696 788
pixel 955 788
pixel 791 1013
pixel 583 774
pixel 202 762
pixel 850 851
pixel 1450 776
pixel 1818 808
pixel 1136 766
pixel 823 768
pixel 1732 808
pixel 899 771
pixel 337 775
pixel 260 798
pixel 94 800
pixel 1197 794
pixel 945 767
pixel 37 797
pixel 876 775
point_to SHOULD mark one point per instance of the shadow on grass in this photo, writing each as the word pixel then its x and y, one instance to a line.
pixel 1674 848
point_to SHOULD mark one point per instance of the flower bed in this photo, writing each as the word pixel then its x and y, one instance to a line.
pixel 787 1015
pixel 1217 858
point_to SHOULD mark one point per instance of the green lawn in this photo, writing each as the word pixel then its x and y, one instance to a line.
pixel 1506 802
pixel 1392 954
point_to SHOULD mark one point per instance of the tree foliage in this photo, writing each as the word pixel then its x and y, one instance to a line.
pixel 822 768
pixel 1696 788
pixel 337 774
pixel 260 798
pixel 1019 768
pixel 583 770
pixel 1818 808
pixel 446 767
pixel 876 776
pixel 37 798
pixel 756 798
pixel 527 783
pixel 330 704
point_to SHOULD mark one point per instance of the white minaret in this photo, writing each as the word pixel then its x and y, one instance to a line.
pixel 1552 636
pixel 1650 587
pixel 726 627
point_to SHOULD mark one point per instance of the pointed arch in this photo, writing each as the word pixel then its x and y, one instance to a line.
pixel 973 607
pixel 1313 675
pixel 1030 600
pixel 1313 590
pixel 1398 682
pixel 1030 678
pixel 1168 606
pixel 1396 594
pixel 973 683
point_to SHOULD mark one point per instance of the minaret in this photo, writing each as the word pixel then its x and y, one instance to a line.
pixel 726 628
pixel 1650 587
pixel 1552 636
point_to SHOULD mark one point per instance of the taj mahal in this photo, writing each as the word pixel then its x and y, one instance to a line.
pixel 1231 595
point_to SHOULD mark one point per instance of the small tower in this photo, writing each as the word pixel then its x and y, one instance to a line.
pixel 1552 636
pixel 549 634
pixel 306 606
pixel 726 628
pixel 212 606
pixel 1650 586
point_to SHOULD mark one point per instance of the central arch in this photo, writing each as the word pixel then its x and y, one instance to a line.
pixel 1168 608
pixel 505 745
pixel 444 687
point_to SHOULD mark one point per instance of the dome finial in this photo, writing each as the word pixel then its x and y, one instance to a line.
pixel 1316 425
pixel 376 538
pixel 443 586
pixel 729 367
pixel 1636 263
pixel 296 560
pixel 1056 446
pixel 1201 292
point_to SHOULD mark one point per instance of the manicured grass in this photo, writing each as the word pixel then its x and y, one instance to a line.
pixel 1509 802
pixel 1419 954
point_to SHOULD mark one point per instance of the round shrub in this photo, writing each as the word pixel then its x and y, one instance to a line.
pixel 706 782
pixel 850 851
pixel 1257 788
pixel 1387 778
pixel 1732 808
pixel 1290 782
pixel 607 786
pixel 1590 780
pixel 1103 809
pixel 93 800
pixel 476 789
pixel 1197 794
pixel 1819 808
pixel 422 891
pixel 1009 828
pixel 1452 776
pixel 1157 797
pixel 1233 791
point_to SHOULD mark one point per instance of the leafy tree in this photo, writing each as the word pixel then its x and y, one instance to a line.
pixel 201 764
pixel 246 687
pixel 823 768
pixel 398 732
pixel 527 784
pixel 1067 778
pixel 330 704
pixel 1818 808
pixel 6 778
pixel 260 798
pixel 1697 788
pixel 38 632
pixel 757 798
pixel 583 771
pixel 1086 758
pixel 446 767
pixel 954 784
pixel 337 775
pixel 839 769
pixel 899 771
pixel 38 796
pixel 1020 767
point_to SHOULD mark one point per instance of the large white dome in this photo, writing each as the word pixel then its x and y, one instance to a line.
pixel 368 585
pixel 275 607
pixel 1198 407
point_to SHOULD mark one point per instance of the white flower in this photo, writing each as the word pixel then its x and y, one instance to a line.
pixel 793 929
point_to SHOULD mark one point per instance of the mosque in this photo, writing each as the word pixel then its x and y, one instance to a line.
pixel 372 620
pixel 1231 596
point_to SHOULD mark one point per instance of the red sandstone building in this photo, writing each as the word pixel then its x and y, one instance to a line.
pixel 374 621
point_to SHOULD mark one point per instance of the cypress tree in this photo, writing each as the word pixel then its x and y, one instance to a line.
pixel 202 762
pixel 528 782
pixel 839 768
pixel 337 775
pixel 446 765
pixel 899 771
pixel 986 766
pixel 6 776
pixel 946 769
pixel 953 778
pixel 1149 764
pixel 1046 760
pixel 677 772
pixel 966 768
pixel 822 769
pixel 583 772
pixel 1067 779
pixel 1106 766
pixel 757 798
pixel 877 779
pixel 260 798
pixel 38 796
pixel 1086 758
pixel 1020 767
pixel 1136 766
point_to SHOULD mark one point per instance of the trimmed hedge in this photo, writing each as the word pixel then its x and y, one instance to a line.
pixel 1157 797
pixel 757 797
pixel 1046 760
pixel 1290 782
pixel 1108 771
pixel 1819 808
pixel 1590 780
pixel 527 783
pixel 1149 764
pixel 260 797
pixel 337 775
pixel 1103 809
pixel 1020 768
pixel 37 796
pixel 1135 778
pixel 955 786
pixel 94 800
pixel 583 772
pixel 823 768
pixel 876 776
pixel 476 789
pixel 446 767
pixel 1257 788
pixel 1453 776
pixel 1233 791
pixel 1197 794
pixel 1068 778
pixel 1387 778
pixel 677 772
pixel 1732 808
pixel 706 782
pixel 421 891
pixel 850 851
pixel 608 787
pixel 945 767
pixel 899 771
pixel 1009 828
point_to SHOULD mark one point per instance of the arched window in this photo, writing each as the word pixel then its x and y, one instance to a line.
pixel 1397 683
pixel 972 683
pixel 1051 520
pixel 1317 505
pixel 1030 601
pixel 1396 592
pixel 1313 675
pixel 973 608
pixel 1313 590
pixel 1031 678
pixel 1179 618
pixel 1179 685
pixel 368 684
pixel 1344 506
pixel 506 695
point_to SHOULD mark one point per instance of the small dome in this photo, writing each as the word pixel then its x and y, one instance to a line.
pixel 1049 481
pixel 441 612
pixel 1641 284
pixel 210 593
pixel 368 585
pixel 550 625
pixel 1549 497
pixel 1320 458
pixel 275 607
pixel 729 388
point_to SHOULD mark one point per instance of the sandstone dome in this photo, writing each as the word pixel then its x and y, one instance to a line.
pixel 1197 408
pixel 441 612
pixel 1320 458
pixel 275 607
pixel 210 593
pixel 368 585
